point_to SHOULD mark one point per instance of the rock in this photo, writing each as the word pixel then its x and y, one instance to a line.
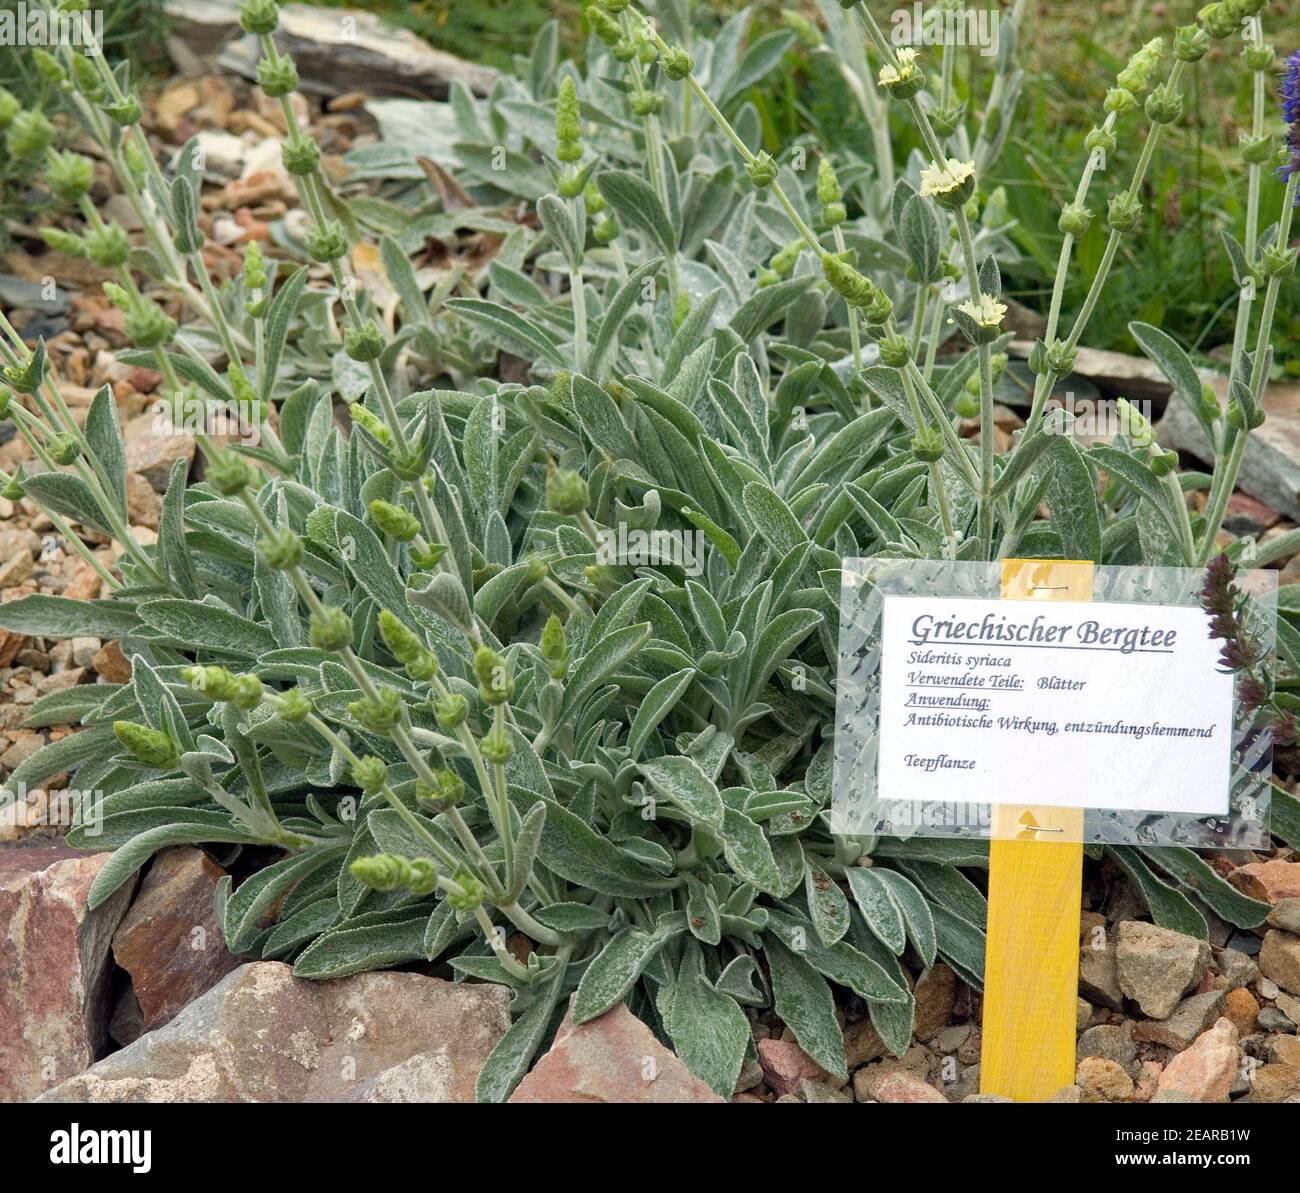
pixel 170 942
pixel 1241 1007
pixel 1274 1083
pixel 16 569
pixel 1286 915
pixel 1157 966
pixel 262 1035
pixel 223 153
pixel 814 1093
pixel 111 664
pixel 1270 881
pixel 1173 1095
pixel 936 991
pixel 785 1065
pixel 54 966
pixel 1082 1014
pixel 988 1098
pixel 1279 959
pixel 143 505
pixel 862 1043
pixel 85 583
pixel 1289 1006
pixel 1271 466
pixel 898 1085
pixel 1101 1080
pixel 613 1058
pixel 1271 1019
pixel 1238 968
pixel 1146 1080
pixel 1285 1050
pixel 153 445
pixel 333 56
pixel 1245 515
pixel 1110 1041
pixel 84 650
pixel 10 645
pixel 952 1038
pixel 1067 1094
pixel 1206 1071
pixel 127 1024
pixel 1098 971
pixel 751 1075
pixel 425 1077
pixel 1191 1017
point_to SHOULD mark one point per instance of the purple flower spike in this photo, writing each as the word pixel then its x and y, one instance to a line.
pixel 1290 96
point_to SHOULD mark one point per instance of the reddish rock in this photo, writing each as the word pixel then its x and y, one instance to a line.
pixel 785 1065
pixel 1147 1082
pixel 54 966
pixel 898 1085
pixel 112 664
pixel 1206 1071
pixel 10 644
pixel 1279 959
pixel 1240 505
pixel 262 1035
pixel 84 584
pixel 1241 1007
pixel 614 1058
pixel 1271 881
pixel 169 941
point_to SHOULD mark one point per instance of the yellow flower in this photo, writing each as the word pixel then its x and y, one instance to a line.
pixel 988 312
pixel 891 76
pixel 946 179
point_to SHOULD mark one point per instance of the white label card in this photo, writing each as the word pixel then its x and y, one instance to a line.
pixel 1071 704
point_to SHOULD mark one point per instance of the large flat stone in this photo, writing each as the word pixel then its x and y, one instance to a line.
pixel 1270 468
pixel 262 1035
pixel 336 49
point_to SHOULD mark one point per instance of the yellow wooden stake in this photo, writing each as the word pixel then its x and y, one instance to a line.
pixel 1031 959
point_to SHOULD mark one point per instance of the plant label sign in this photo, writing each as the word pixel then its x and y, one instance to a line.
pixel 988 700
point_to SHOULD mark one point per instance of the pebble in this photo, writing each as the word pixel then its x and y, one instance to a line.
pixel 1279 959
pixel 1242 1008
pixel 1191 1017
pixel 1237 967
pixel 1271 1019
pixel 1157 966
pixel 1286 915
pixel 1102 1080
pixel 15 569
pixel 84 651
pixel 1113 1042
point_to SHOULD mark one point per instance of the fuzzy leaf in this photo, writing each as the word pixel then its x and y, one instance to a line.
pixel 682 782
